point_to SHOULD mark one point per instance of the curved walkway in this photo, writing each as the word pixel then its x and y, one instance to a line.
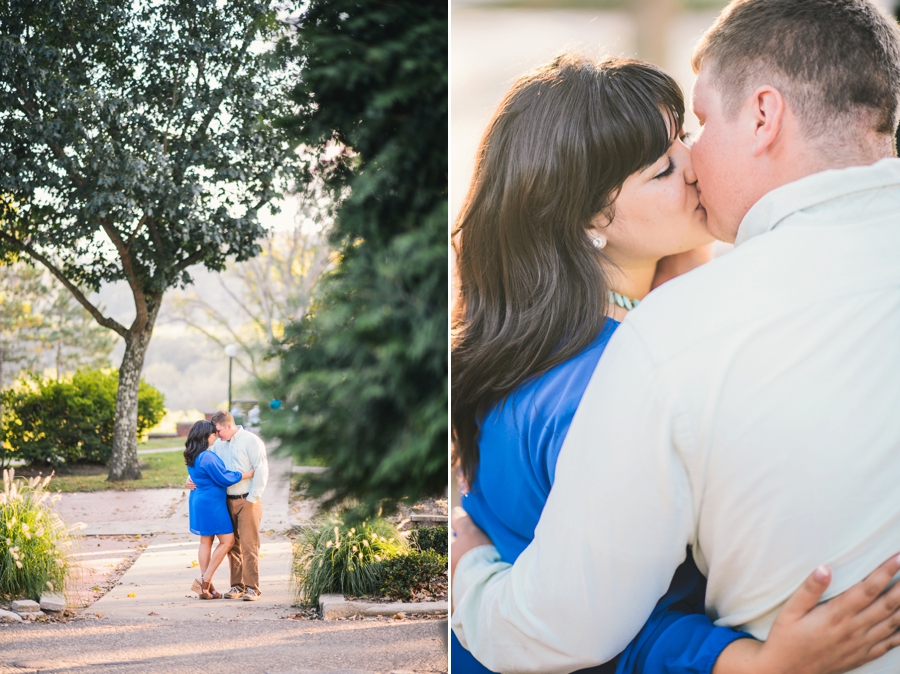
pixel 152 622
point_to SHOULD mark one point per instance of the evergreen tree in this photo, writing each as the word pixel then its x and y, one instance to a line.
pixel 363 376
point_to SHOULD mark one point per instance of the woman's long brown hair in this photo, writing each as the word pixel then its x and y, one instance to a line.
pixel 532 287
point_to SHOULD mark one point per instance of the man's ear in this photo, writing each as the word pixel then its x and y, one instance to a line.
pixel 767 109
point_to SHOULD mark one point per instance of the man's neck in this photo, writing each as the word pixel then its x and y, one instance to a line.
pixel 809 158
pixel 858 149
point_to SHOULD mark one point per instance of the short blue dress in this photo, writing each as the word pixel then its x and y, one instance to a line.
pixel 207 503
pixel 519 443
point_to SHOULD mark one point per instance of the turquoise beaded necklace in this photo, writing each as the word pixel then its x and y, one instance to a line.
pixel 620 300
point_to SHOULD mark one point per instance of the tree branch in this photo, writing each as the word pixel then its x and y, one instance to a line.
pixel 214 109
pixel 194 258
pixel 57 151
pixel 136 230
pixel 140 301
pixel 92 310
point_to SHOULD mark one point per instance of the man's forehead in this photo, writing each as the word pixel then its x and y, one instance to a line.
pixel 700 92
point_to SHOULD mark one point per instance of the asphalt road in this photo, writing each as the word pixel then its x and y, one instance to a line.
pixel 238 646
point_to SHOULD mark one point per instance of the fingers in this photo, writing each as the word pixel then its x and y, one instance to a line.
pixel 867 592
pixel 807 596
pixel 887 644
pixel 882 617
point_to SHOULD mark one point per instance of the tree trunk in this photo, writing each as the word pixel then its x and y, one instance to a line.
pixel 123 465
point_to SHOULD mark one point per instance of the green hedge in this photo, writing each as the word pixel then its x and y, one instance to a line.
pixel 60 422
pixel 430 538
pixel 405 575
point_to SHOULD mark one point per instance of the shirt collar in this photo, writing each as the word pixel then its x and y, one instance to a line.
pixel 239 430
pixel 782 202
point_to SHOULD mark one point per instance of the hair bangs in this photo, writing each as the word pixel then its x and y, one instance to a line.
pixel 645 107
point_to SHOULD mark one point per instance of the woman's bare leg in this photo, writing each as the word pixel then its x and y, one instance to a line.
pixel 225 543
pixel 203 554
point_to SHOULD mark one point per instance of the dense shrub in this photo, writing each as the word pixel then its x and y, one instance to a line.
pixel 33 540
pixel 59 422
pixel 430 538
pixel 405 575
pixel 330 557
pixel 363 376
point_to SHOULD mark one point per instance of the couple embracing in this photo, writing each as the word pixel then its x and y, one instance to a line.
pixel 708 482
pixel 228 470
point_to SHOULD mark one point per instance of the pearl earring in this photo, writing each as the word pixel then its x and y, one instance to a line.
pixel 599 242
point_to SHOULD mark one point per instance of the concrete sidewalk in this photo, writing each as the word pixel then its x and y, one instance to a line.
pixel 157 511
pixel 164 627
pixel 161 578
pixel 157 586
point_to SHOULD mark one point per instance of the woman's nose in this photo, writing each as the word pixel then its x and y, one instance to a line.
pixel 689 176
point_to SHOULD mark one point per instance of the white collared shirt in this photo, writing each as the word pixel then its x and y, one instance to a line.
pixel 243 452
pixel 749 409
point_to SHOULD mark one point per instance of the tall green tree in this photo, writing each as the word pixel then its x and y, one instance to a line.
pixel 363 376
pixel 135 142
pixel 42 325
pixel 21 289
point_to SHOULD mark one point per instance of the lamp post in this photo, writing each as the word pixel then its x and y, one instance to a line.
pixel 231 351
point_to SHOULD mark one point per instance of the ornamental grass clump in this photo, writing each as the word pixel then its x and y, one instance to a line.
pixel 330 557
pixel 34 541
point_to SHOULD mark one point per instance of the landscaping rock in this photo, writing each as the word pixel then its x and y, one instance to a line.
pixel 9 615
pixel 334 606
pixel 53 602
pixel 22 606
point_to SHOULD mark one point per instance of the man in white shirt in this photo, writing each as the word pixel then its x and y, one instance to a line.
pixel 749 409
pixel 241 450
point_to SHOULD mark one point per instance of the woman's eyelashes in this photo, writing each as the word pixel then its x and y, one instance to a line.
pixel 666 171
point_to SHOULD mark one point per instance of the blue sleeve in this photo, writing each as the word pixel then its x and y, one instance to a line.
pixel 217 472
pixel 678 638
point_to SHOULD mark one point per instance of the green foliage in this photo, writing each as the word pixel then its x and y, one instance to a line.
pixel 430 538
pixel 41 325
pixel 405 575
pixel 332 557
pixel 136 141
pixel 33 540
pixel 144 123
pixel 363 377
pixel 69 420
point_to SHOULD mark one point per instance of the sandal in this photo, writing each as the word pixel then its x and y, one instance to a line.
pixel 212 591
pixel 196 587
pixel 204 590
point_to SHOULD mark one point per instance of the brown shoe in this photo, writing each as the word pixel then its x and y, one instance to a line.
pixel 204 590
pixel 195 586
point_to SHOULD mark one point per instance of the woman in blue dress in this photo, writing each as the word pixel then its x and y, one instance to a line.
pixel 209 516
pixel 582 200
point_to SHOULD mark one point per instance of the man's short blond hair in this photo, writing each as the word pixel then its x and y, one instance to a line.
pixel 222 417
pixel 836 62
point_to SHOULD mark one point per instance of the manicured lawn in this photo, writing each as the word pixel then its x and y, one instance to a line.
pixel 164 443
pixel 165 469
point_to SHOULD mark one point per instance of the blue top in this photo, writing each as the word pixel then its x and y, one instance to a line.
pixel 519 443
pixel 207 503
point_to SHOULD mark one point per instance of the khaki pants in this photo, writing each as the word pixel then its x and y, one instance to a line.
pixel 243 558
